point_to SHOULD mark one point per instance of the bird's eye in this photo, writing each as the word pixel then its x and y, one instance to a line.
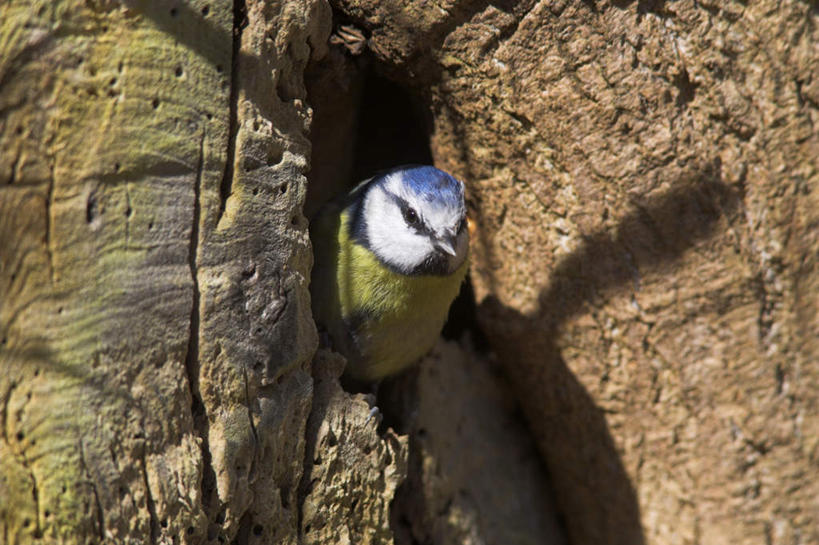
pixel 461 225
pixel 410 216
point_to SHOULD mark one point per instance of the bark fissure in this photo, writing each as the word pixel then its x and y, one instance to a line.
pixel 305 484
pixel 49 225
pixel 5 414
pixel 239 22
pixel 198 411
pixel 192 358
pixel 149 500
pixel 128 211
pixel 35 494
pixel 97 503
pixel 14 165
pixel 764 317
pixel 250 412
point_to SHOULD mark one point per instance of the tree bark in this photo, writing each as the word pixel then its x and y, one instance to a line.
pixel 643 180
pixel 643 176
pixel 156 331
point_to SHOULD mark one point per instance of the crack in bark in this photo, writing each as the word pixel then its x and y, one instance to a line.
pixel 239 23
pixel 305 485
pixel 14 166
pixel 5 414
pixel 35 493
pixel 192 356
pixel 250 412
pixel 97 502
pixel 128 212
pixel 49 224
pixel 764 319
pixel 253 461
pixel 198 411
pixel 243 532
pixel 149 499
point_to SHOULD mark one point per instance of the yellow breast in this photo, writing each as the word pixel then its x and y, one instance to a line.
pixel 381 320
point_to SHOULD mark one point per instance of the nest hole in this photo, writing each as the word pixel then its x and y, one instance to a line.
pixel 390 127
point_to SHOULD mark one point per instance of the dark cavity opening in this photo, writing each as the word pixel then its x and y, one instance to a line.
pixel 364 122
pixel 462 318
pixel 392 128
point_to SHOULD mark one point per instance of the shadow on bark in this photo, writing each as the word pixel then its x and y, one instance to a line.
pixel 192 28
pixel 593 490
pixel 43 385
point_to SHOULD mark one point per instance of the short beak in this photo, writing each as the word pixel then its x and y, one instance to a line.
pixel 447 246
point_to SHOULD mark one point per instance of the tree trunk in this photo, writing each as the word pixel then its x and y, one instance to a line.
pixel 643 180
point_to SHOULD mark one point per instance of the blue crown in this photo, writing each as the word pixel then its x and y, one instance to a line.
pixel 432 184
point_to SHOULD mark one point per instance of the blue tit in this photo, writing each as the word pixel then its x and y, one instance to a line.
pixel 390 257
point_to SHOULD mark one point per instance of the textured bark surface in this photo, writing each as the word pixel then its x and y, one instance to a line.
pixel 644 179
pixel 475 475
pixel 155 319
pixel 114 139
pixel 351 471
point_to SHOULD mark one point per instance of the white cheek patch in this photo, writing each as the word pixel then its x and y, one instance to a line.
pixel 389 236
pixel 401 246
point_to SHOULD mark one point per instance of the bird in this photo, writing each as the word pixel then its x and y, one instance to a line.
pixel 389 259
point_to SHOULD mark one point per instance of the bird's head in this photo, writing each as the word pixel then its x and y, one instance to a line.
pixel 413 218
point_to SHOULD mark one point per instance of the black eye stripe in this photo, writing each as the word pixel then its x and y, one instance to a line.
pixel 405 207
pixel 419 224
